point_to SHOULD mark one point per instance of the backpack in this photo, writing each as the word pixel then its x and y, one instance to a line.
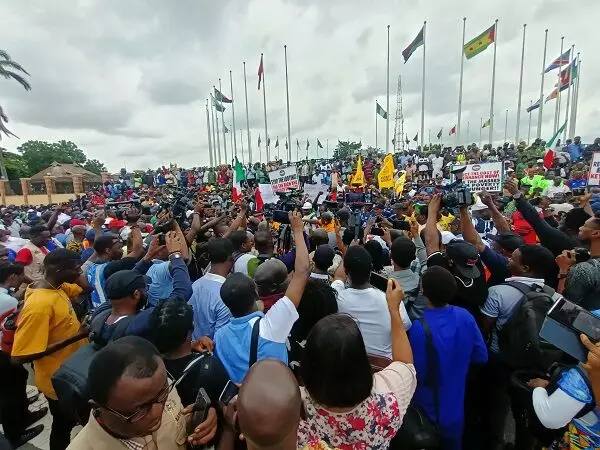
pixel 8 328
pixel 519 341
pixel 70 380
pixel 97 281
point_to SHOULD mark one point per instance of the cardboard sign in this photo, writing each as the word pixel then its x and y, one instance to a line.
pixel 312 190
pixel 483 177
pixel 284 178
pixel 594 175
pixel 267 194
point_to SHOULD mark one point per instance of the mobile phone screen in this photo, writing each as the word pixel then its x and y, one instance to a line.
pixel 229 391
pixel 576 318
pixel 378 281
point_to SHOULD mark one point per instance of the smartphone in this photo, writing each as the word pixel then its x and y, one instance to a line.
pixel 280 216
pixel 563 325
pixel 379 281
pixel 229 391
pixel 199 411
pixel 162 239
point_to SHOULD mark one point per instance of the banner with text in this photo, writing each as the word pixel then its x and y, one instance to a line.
pixel 594 176
pixel 483 177
pixel 284 178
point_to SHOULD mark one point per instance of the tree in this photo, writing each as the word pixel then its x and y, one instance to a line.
pixel 11 70
pixel 15 166
pixel 95 166
pixel 344 149
pixel 40 154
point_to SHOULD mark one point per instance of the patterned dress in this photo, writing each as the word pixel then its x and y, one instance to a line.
pixel 371 424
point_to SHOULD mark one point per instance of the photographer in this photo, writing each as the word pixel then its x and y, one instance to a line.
pixel 578 278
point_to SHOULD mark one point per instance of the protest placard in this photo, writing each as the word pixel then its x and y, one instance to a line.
pixel 594 175
pixel 284 178
pixel 483 177
pixel 312 190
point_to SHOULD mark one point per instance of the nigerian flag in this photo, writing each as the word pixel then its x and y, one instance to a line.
pixel 379 110
pixel 238 176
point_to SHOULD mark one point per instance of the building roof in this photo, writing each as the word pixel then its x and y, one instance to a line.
pixel 64 173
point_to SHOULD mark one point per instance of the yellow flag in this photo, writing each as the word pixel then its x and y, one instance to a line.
pixel 386 175
pixel 359 178
pixel 399 186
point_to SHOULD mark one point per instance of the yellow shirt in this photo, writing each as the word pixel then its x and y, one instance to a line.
pixel 329 227
pixel 47 318
pixel 445 222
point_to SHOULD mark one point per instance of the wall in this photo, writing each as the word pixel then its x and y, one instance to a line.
pixel 38 199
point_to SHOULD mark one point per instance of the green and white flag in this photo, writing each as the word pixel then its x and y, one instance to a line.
pixel 379 110
pixel 238 176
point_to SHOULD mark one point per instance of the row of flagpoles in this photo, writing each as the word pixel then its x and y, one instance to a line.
pixel 569 72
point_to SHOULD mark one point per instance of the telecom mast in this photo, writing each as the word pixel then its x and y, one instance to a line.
pixel 399 120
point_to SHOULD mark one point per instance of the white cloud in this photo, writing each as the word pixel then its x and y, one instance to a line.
pixel 127 81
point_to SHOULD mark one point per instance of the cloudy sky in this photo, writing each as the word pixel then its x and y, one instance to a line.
pixel 127 80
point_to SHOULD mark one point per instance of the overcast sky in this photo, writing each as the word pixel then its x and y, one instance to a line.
pixel 127 80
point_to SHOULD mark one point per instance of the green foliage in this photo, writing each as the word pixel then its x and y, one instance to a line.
pixel 11 70
pixel 95 166
pixel 15 166
pixel 344 149
pixel 40 154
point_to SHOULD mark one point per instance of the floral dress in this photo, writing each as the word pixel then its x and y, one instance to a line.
pixel 371 424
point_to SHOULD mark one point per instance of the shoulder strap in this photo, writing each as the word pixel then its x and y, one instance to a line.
pixel 522 287
pixel 99 320
pixel 254 343
pixel 121 328
pixel 432 369
pixel 188 369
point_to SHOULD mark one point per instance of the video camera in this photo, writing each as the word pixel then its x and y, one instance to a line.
pixel 178 207
pixel 458 193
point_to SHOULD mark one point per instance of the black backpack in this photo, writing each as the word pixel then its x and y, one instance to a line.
pixel 519 341
pixel 70 380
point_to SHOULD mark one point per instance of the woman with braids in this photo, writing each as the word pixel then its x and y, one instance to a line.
pixel 172 323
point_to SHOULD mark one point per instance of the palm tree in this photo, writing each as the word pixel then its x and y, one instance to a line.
pixel 9 69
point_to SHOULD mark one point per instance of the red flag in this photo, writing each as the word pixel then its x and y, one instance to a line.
pixel 261 70
pixel 258 200
pixel 452 130
pixel 549 159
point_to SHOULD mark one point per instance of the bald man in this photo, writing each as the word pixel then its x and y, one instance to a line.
pixel 268 407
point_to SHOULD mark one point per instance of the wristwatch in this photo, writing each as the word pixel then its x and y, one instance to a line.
pixel 175 255
pixel 517 195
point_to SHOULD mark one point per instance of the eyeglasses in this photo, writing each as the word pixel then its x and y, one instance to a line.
pixel 143 410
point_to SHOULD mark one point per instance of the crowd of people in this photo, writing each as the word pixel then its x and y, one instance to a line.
pixel 161 311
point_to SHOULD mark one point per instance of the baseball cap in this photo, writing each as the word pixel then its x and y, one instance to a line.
pixel 271 272
pixel 508 240
pixel 307 205
pixel 124 282
pixel 465 257
pixel 117 224
pixel 323 257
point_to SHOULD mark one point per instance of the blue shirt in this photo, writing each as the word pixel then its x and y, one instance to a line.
pixel 574 151
pixel 497 264
pixel 210 313
pixel 232 341
pixel 459 344
pixel 161 286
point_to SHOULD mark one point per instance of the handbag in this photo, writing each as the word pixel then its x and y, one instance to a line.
pixel 418 432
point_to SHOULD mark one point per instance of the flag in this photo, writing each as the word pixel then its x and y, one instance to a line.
pixel 259 141
pixel 549 158
pixel 416 138
pixel 452 131
pixel 307 145
pixel 566 75
pixel 297 144
pixel 562 60
pixel 379 110
pixel 258 200
pixel 550 142
pixel 359 178
pixel 319 144
pixel 407 141
pixel 536 105
pixel 415 44
pixel 487 123
pixel 220 97
pixel 439 135
pixel 218 106
pixel 225 129
pixel 399 185
pixel 268 141
pixel 386 174
pixel 277 142
pixel 261 71
pixel 286 144
pixel 554 93
pixel 476 45
pixel 238 177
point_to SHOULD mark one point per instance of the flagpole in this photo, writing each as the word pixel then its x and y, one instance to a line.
pixel 480 131
pixel 575 100
pixel 541 99
pixel 242 146
pixel 572 58
pixel 493 83
pixel 429 141
pixel 387 108
pixel 210 151
pixel 223 124
pixel 233 116
pixel 217 133
pixel 287 97
pixel 247 118
pixel 422 88
pixel 557 106
pixel 468 135
pixel 506 125
pixel 375 124
pixel 212 122
pixel 520 87
pixel 460 85
pixel 264 83
pixel 529 127
pixel 327 149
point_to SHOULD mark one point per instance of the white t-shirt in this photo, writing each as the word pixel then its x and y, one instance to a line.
pixel 369 308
